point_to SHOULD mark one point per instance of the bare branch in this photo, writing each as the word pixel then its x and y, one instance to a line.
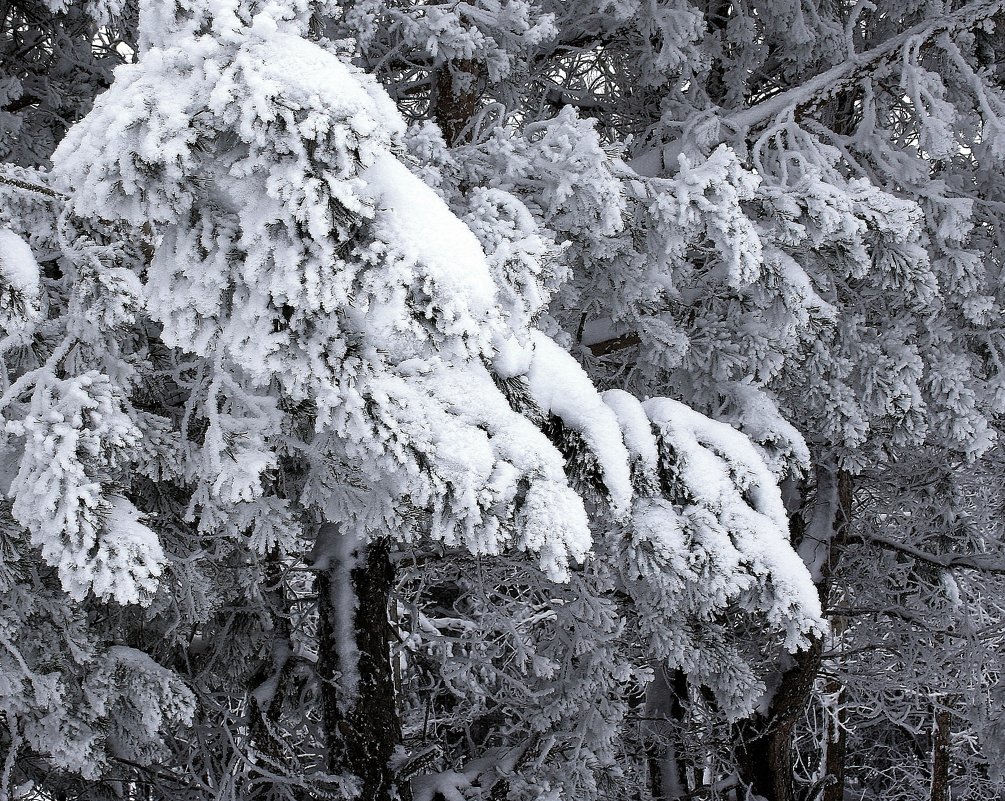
pixel 985 563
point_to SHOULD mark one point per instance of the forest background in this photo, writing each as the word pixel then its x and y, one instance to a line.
pixel 574 399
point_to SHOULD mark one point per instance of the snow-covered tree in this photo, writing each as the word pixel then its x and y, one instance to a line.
pixel 784 214
pixel 263 364
pixel 55 56
pixel 302 365
pixel 915 646
pixel 74 547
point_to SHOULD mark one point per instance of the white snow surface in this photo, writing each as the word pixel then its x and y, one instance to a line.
pixel 129 556
pixel 513 356
pixel 424 232
pixel 17 264
pixel 448 785
pixel 561 387
pixel 295 66
pixel 636 427
pixel 728 477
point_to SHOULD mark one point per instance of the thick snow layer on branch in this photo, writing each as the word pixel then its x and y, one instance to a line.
pixel 562 388
pixel 18 267
pixel 496 479
pixel 74 434
pixel 421 230
pixel 287 64
pixel 636 427
pixel 19 286
pixel 142 699
pixel 725 475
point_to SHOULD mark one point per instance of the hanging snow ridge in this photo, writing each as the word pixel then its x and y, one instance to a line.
pixel 562 388
pixel 425 237
pixel 298 68
pixel 637 429
pixel 725 475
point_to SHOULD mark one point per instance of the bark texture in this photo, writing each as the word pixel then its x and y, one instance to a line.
pixel 667 769
pixel 837 747
pixel 941 757
pixel 456 99
pixel 765 753
pixel 363 730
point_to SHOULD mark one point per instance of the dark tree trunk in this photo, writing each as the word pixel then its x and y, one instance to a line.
pixel 837 746
pixel 5 748
pixel 765 755
pixel 455 98
pixel 667 768
pixel 328 666
pixel 941 756
pixel 363 729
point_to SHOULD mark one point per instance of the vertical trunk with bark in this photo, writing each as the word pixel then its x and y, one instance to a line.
pixel 941 756
pixel 6 761
pixel 667 769
pixel 361 721
pixel 328 665
pixel 765 755
pixel 456 99
pixel 836 744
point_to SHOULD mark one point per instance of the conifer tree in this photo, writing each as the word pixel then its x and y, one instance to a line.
pixel 799 235
pixel 305 344
pixel 272 363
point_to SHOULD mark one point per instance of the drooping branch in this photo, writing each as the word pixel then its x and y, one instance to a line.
pixel 23 102
pixel 30 186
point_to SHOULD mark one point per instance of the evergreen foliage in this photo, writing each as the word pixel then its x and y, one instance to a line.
pixel 501 400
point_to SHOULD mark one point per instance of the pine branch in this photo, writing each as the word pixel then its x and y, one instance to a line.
pixel 29 186
pixel 813 92
pixel 836 79
pixel 23 102
pixel 621 342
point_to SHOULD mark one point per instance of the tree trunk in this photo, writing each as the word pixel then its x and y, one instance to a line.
pixel 941 757
pixel 765 748
pixel 455 98
pixel 667 769
pixel 836 743
pixel 7 756
pixel 358 707
pixel 765 756
pixel 328 673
